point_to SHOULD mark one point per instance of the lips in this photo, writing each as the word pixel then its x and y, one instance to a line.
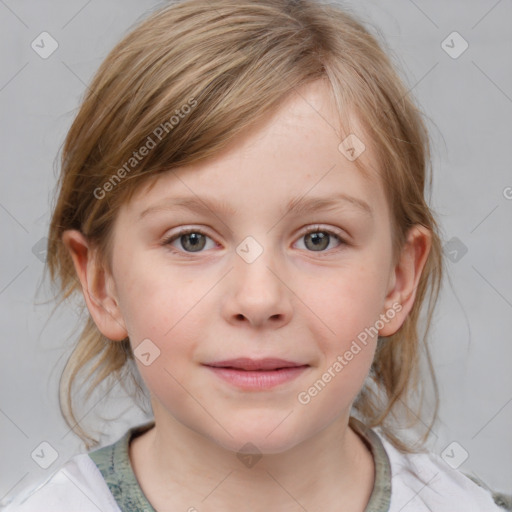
pixel 257 375
pixel 248 364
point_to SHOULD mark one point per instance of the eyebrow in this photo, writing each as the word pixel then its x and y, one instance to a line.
pixel 298 205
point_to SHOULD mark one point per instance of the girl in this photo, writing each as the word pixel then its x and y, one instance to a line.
pixel 242 206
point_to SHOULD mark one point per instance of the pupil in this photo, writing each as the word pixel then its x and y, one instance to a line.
pixel 193 241
pixel 320 240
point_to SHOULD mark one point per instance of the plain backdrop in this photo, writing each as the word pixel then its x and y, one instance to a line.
pixel 468 98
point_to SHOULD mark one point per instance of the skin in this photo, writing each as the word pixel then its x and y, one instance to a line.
pixel 292 302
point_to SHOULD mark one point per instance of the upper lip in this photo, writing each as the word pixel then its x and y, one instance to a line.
pixel 246 363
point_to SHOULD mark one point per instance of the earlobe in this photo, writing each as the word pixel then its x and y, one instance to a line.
pixel 406 277
pixel 97 286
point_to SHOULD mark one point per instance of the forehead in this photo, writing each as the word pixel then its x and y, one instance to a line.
pixel 301 149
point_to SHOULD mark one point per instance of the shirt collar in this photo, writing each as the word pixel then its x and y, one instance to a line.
pixel 114 463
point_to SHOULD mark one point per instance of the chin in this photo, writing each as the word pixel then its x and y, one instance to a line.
pixel 263 436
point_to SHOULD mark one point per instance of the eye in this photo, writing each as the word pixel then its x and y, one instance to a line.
pixel 190 240
pixel 318 239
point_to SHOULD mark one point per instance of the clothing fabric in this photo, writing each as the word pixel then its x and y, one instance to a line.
pixel 104 480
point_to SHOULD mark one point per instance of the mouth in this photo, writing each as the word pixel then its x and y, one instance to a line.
pixel 248 364
pixel 256 374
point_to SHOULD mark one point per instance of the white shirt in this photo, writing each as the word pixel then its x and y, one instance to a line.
pixel 419 483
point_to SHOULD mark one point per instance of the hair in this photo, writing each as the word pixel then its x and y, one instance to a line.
pixel 190 78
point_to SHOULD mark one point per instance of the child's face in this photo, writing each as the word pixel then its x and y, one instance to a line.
pixel 303 299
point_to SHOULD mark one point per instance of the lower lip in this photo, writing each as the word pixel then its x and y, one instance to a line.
pixel 257 380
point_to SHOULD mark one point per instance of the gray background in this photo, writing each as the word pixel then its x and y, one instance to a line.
pixel 469 102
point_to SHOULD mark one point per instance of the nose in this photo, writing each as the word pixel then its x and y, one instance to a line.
pixel 258 293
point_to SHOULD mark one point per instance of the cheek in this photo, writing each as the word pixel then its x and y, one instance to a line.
pixel 350 310
pixel 156 300
pixel 160 305
pixel 163 318
pixel 347 301
pixel 348 306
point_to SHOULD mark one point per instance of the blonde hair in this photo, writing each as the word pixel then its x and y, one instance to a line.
pixel 232 62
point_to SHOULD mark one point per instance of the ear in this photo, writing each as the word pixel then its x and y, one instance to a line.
pixel 97 286
pixel 405 277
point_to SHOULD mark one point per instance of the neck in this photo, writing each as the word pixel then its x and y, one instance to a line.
pixel 177 467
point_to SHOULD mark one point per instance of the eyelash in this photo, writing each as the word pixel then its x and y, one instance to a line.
pixel 186 231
